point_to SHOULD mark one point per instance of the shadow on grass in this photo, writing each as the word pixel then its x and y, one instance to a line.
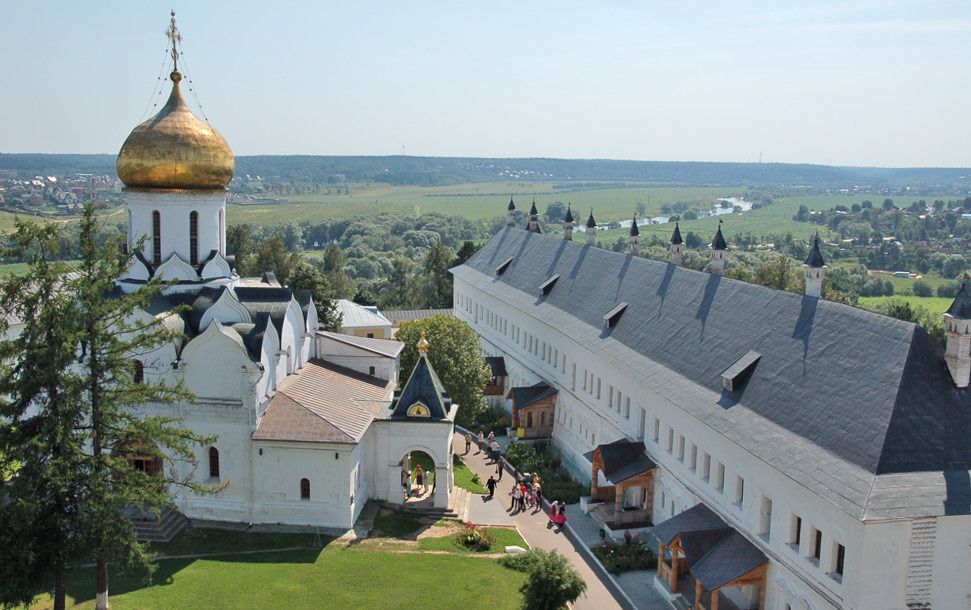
pixel 80 582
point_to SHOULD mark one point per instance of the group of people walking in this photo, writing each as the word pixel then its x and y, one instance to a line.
pixel 526 493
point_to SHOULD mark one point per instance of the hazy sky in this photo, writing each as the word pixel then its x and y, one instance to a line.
pixel 843 82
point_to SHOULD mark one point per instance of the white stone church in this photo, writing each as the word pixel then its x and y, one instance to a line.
pixel 788 452
pixel 309 423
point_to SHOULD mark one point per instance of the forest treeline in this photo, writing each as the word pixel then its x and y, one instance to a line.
pixel 436 171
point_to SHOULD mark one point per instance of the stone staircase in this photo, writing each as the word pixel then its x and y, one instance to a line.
pixel 162 528
pixel 458 508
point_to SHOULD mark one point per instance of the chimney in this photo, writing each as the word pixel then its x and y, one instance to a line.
pixel 533 226
pixel 568 224
pixel 634 237
pixel 718 251
pixel 676 245
pixel 511 213
pixel 591 230
pixel 957 327
pixel 815 269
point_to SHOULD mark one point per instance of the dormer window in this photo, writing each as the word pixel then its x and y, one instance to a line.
pixel 156 237
pixel 193 238
pixel 740 370
pixel 613 316
pixel 504 265
pixel 547 286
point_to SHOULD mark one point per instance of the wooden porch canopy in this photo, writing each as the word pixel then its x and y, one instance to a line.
pixel 624 464
pixel 715 554
pixel 533 409
pixel 498 366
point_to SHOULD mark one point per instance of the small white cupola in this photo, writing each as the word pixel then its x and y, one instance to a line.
pixel 676 244
pixel 568 224
pixel 591 230
pixel 511 213
pixel 634 238
pixel 718 251
pixel 957 324
pixel 815 270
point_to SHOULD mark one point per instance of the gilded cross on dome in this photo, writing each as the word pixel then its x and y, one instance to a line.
pixel 422 344
pixel 173 33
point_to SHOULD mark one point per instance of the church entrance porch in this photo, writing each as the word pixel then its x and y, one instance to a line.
pixel 418 482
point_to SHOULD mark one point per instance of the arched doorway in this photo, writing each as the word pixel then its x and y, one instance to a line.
pixel 418 477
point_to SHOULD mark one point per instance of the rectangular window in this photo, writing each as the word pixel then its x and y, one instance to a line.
pixel 838 561
pixel 670 446
pixel 598 388
pixel 795 531
pixel 693 456
pixel 817 540
pixel 610 397
pixel 627 408
pixel 720 477
pixel 656 435
pixel 680 447
pixel 705 465
pixel 739 490
pixel 641 424
pixel 765 517
pixel 573 376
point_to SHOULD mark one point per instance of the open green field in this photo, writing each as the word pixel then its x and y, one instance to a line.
pixel 934 305
pixel 474 201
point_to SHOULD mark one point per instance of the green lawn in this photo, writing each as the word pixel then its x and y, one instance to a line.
pixel 465 478
pixel 335 577
pixel 934 305
pixel 504 537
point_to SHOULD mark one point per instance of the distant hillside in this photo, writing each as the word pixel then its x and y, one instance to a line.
pixel 431 171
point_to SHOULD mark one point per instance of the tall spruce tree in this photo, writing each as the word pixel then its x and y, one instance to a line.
pixel 73 408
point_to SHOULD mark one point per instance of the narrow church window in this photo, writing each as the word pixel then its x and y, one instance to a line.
pixel 840 560
pixel 304 489
pixel 139 374
pixel 193 238
pixel 214 462
pixel 156 237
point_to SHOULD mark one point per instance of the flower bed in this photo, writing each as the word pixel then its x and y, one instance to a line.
pixel 474 537
pixel 632 553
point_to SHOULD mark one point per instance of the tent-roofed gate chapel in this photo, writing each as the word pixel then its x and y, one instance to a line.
pixel 309 423
pixel 787 451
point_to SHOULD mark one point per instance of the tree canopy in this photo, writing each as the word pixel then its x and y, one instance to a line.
pixel 455 354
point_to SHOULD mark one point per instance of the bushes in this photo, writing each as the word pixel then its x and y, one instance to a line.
pixel 539 459
pixel 493 419
pixel 552 583
pixel 632 554
pixel 475 538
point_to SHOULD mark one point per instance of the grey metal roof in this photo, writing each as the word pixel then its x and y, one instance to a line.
pixel 633 227
pixel 383 347
pixel 409 315
pixel 733 556
pixel 266 299
pixel 815 258
pixel 961 306
pixel 569 215
pixel 524 396
pixel 839 394
pixel 676 236
pixel 497 364
pixel 622 460
pixel 698 518
pixel 719 242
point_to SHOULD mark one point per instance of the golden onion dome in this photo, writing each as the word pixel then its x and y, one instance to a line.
pixel 176 150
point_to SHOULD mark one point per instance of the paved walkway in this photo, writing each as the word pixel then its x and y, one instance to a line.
pixel 632 590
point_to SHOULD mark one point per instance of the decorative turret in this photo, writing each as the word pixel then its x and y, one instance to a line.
pixel 718 251
pixel 511 213
pixel 676 245
pixel 423 395
pixel 957 327
pixel 591 230
pixel 815 270
pixel 634 238
pixel 568 224
pixel 533 226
